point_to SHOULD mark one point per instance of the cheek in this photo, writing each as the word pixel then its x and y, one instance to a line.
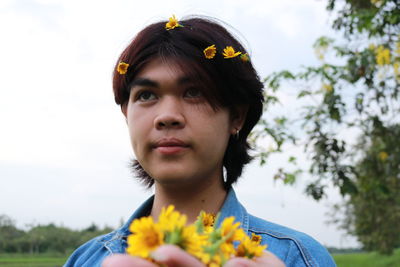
pixel 215 133
pixel 138 129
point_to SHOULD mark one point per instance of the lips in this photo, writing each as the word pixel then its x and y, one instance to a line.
pixel 168 142
pixel 170 146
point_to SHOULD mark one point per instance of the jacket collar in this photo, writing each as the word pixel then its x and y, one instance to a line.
pixel 232 207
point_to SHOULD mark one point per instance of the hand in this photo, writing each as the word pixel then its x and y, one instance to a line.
pixel 267 260
pixel 170 255
pixel 173 256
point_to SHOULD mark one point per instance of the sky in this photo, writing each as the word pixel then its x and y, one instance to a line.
pixel 64 145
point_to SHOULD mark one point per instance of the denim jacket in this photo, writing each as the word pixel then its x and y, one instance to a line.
pixel 292 247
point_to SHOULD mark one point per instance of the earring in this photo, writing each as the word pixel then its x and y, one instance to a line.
pixel 224 176
pixel 237 134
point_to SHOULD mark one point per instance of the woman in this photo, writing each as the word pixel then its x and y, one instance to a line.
pixel 191 96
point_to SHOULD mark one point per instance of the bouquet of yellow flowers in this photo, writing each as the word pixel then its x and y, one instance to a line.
pixel 212 246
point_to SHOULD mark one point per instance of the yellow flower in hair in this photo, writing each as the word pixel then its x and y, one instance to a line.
pixel 210 51
pixel 244 57
pixel 229 52
pixel 172 23
pixel 122 67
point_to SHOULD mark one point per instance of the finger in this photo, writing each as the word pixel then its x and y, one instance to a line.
pixel 173 256
pixel 269 259
pixel 240 262
pixel 123 260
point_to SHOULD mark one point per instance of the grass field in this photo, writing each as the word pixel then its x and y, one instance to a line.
pixel 27 260
pixel 367 260
pixel 342 260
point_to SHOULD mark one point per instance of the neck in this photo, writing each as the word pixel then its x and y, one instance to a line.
pixel 190 200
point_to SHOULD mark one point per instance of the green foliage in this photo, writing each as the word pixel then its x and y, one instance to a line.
pixel 9 232
pixel 32 260
pixel 376 207
pixel 355 98
pixel 44 238
pixel 362 259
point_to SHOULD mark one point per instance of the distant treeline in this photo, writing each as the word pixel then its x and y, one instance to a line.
pixel 51 238
pixel 48 238
pixel 334 250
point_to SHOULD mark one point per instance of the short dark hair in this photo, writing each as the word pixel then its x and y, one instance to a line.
pixel 230 83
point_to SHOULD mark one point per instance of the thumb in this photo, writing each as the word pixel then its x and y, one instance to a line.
pixel 173 256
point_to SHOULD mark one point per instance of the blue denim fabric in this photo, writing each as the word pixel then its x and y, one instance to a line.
pixel 294 248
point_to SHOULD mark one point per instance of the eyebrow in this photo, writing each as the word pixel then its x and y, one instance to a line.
pixel 143 82
pixel 151 83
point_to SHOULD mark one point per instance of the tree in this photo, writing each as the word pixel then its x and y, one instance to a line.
pixel 376 207
pixel 8 234
pixel 354 98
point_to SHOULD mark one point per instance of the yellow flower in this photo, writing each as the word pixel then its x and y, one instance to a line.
pixel 145 238
pixel 383 156
pixel 255 238
pixel 382 56
pixel 372 47
pixel 172 23
pixel 327 87
pixel 192 242
pixel 173 223
pixel 214 261
pixel 210 51
pixel 230 232
pixel 377 3
pixel 320 52
pixel 397 48
pixel 214 264
pixel 122 67
pixel 207 220
pixel 396 70
pixel 169 219
pixel 229 52
pixel 249 248
pixel 213 247
pixel 244 57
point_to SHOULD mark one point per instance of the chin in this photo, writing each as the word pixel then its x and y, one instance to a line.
pixel 168 178
pixel 171 178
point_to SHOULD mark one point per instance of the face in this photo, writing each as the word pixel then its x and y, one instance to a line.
pixel 176 135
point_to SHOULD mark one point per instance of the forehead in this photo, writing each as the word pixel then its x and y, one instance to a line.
pixel 162 74
pixel 161 69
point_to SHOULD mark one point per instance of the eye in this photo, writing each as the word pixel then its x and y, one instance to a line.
pixel 193 93
pixel 145 96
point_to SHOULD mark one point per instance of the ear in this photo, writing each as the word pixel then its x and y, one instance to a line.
pixel 238 117
pixel 124 108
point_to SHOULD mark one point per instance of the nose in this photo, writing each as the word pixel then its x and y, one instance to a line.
pixel 170 115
